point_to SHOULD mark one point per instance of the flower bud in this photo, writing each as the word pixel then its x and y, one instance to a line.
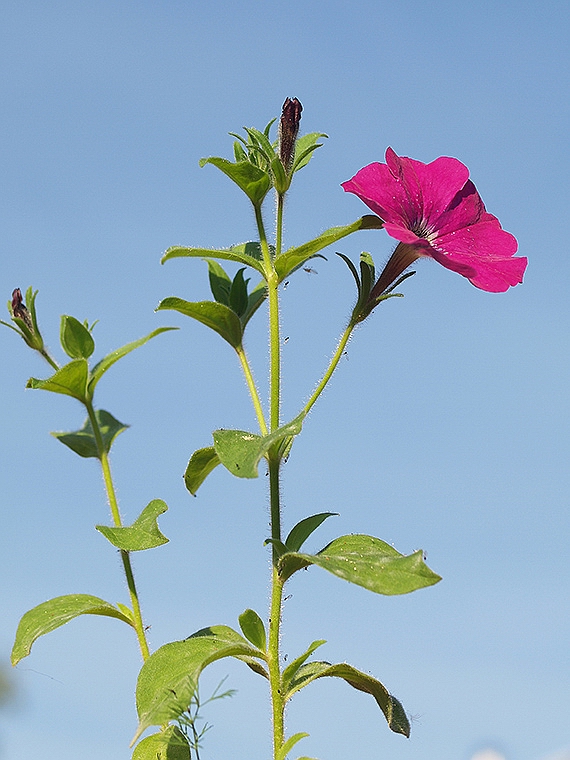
pixel 19 309
pixel 288 131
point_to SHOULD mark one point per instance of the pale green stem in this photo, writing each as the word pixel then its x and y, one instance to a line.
pixel 125 557
pixel 332 366
pixel 52 362
pixel 252 389
pixel 274 667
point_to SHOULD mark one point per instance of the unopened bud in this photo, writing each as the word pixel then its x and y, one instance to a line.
pixel 288 131
pixel 20 311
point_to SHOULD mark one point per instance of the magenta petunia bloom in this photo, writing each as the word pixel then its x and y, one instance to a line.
pixel 435 210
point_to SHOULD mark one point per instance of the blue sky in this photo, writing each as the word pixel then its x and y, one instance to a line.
pixel 445 428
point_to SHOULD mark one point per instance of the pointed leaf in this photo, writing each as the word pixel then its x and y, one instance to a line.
pixel 244 253
pixel 142 534
pixel 201 464
pixel 291 670
pixel 253 629
pixel 167 679
pixel 293 258
pixel 220 282
pixel 48 616
pixel 71 380
pixel 101 367
pixel 83 441
pixel 238 294
pixel 210 313
pixel 289 744
pixel 305 147
pixel 241 451
pixel 366 561
pixel 254 182
pixel 254 301
pixel 170 744
pixel 75 338
pixel 301 532
pixel 390 706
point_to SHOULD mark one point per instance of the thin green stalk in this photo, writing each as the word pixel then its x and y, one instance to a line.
pixel 52 362
pixel 274 667
pixel 252 389
pixel 332 366
pixel 279 233
pixel 125 557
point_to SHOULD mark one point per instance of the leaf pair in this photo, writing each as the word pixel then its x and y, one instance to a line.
pixel 143 534
pixel 75 378
pixel 229 314
pixel 239 451
pixel 167 679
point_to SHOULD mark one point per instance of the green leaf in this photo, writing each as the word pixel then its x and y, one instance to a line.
pixel 368 562
pixel 305 147
pixel 292 669
pixel 167 679
pixel 48 616
pixel 83 441
pixel 254 182
pixel 71 380
pixel 75 338
pixel 142 534
pixel 240 452
pixel 390 706
pixel 220 282
pixel 201 464
pixel 253 629
pixel 289 744
pixel 244 253
pixel 254 301
pixel 238 293
pixel 293 258
pixel 101 367
pixel 210 313
pixel 170 744
pixel 301 532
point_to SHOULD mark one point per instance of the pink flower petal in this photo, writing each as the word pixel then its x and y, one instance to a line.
pixel 436 209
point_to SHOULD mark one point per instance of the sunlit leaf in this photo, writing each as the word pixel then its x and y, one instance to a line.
pixel 101 367
pixel 293 258
pixel 368 562
pixel 253 629
pixel 75 338
pixel 201 464
pixel 301 532
pixel 143 534
pixel 170 744
pixel 48 616
pixel 167 679
pixel 240 452
pixel 71 380
pixel 244 253
pixel 254 182
pixel 83 441
pixel 390 706
pixel 215 315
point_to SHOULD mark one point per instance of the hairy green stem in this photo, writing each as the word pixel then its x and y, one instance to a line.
pixel 337 356
pixel 252 389
pixel 125 557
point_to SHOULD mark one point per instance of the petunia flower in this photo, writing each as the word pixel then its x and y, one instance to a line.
pixel 435 210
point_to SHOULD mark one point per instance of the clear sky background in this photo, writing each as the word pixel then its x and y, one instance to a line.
pixel 445 428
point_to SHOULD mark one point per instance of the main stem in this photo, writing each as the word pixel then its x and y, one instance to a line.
pixel 125 557
pixel 273 654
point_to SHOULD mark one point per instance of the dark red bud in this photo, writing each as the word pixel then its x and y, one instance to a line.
pixel 19 309
pixel 288 131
